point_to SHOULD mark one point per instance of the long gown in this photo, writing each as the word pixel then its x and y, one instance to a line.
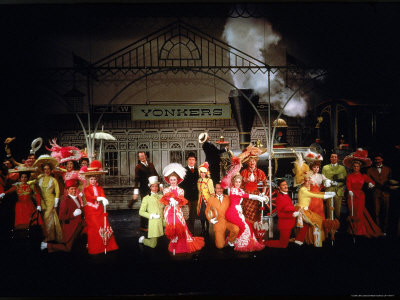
pixel 362 223
pixel 94 215
pixel 246 240
pixel 24 207
pixel 50 190
pixel 176 229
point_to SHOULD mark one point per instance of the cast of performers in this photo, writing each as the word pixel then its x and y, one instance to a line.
pixel 206 189
pixel 50 193
pixel 361 222
pixel 94 211
pixel 28 202
pixel 246 240
pixel 215 212
pixel 152 209
pixel 307 219
pixel 286 217
pixel 181 240
pixel 72 222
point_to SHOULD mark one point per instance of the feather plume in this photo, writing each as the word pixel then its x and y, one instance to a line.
pixel 235 168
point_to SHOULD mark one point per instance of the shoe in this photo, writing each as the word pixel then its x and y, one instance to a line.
pixel 298 243
pixel 231 244
pixel 141 239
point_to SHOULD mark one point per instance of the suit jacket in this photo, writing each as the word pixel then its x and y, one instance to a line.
pixel 213 159
pixel 151 205
pixel 285 210
pixel 381 179
pixel 142 174
pixel 189 184
pixel 70 223
pixel 337 173
pixel 221 210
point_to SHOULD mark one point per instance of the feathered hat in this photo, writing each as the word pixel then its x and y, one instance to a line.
pixel 174 169
pixel 312 157
pixel 64 154
pixel 360 155
pixel 95 169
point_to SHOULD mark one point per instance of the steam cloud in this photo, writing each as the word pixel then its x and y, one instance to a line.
pixel 247 35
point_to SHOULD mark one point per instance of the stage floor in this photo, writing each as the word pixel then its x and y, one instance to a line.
pixel 366 267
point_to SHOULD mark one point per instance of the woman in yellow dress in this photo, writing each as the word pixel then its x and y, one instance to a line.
pixel 206 189
pixel 50 192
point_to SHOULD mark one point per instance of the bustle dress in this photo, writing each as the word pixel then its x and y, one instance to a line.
pixel 361 221
pixel 246 240
pixel 94 215
pixel 176 229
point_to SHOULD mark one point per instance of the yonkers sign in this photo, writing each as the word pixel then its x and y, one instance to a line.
pixel 180 112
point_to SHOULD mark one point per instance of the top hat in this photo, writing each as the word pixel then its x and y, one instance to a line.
pixel 153 180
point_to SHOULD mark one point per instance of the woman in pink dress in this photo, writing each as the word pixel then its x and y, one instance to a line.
pixel 361 222
pixel 246 240
pixel 181 240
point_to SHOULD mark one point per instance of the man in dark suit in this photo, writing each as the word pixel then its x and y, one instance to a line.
pixel 189 185
pixel 143 170
pixel 381 193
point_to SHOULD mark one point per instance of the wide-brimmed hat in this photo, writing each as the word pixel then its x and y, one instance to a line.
pixel 45 159
pixel 174 169
pixel 21 169
pixel 222 141
pixel 95 169
pixel 312 157
pixel 203 137
pixel 153 180
pixel 360 155
pixel 204 167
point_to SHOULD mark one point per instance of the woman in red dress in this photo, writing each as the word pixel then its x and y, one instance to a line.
pixel 246 240
pixel 361 222
pixel 94 212
pixel 25 207
pixel 176 230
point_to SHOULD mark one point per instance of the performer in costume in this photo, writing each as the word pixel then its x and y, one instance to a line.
pixel 94 212
pixel 206 189
pixel 212 156
pixel 181 240
pixel 50 193
pixel 152 209
pixel 246 240
pixel 72 222
pixel 252 176
pixel 11 177
pixel 28 201
pixel 215 212
pixel 308 218
pixel 361 222
pixel 286 216
pixel 337 174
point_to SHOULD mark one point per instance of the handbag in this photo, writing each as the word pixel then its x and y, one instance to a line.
pixel 185 210
pixel 32 232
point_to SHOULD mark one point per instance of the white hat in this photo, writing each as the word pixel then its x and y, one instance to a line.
pixel 203 137
pixel 153 180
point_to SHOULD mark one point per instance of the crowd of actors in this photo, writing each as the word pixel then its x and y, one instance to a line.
pixel 227 194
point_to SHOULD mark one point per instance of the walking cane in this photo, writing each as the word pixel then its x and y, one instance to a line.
pixel 173 250
pixel 352 215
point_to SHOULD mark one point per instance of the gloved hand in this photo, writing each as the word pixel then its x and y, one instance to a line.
pixel 295 214
pixel 370 185
pixel 154 216
pixel 257 197
pixel 328 195
pixel 214 221
pixel 328 183
pixel 105 202
pixel 334 183
pixel 173 202
pixel 81 194
pixel 39 208
pixel 239 208
pixel 305 208
pixel 351 193
pixel 2 195
pixel 56 200
pixel 77 212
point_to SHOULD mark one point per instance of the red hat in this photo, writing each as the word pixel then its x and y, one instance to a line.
pixel 71 183
pixel 360 155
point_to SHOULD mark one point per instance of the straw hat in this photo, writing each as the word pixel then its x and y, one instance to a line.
pixel 174 169
pixel 45 159
pixel 204 168
pixel 21 169
pixel 153 180
pixel 203 137
pixel 360 155
pixel 95 169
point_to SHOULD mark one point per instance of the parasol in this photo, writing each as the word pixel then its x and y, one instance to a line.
pixel 332 224
pixel 352 220
pixel 102 136
pixel 106 231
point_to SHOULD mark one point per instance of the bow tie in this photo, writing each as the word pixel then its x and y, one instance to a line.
pixel 379 167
